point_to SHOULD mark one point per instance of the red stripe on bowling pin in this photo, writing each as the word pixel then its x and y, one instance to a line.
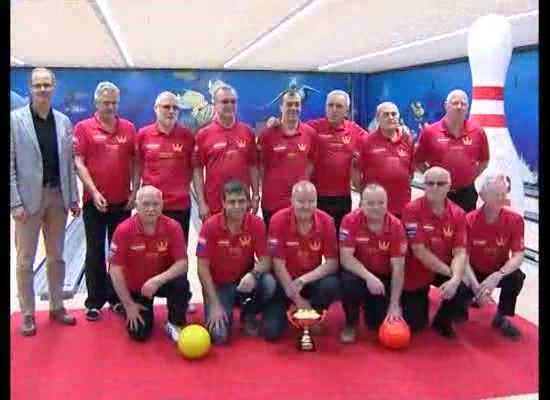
pixel 488 93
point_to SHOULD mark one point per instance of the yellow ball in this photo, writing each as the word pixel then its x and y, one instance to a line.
pixel 194 341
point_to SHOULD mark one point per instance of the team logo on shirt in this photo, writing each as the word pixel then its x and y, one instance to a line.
pixel 245 240
pixel 346 139
pixel 302 146
pixel 315 245
pixel 383 245
pixel 378 150
pixel 152 146
pixel 220 145
pixel 121 139
pixel 428 227
pixel 443 139
pixel 500 241
pixel 362 239
pixel 177 147
pixel 99 138
pixel 401 152
pixel 479 242
pixel 241 143
pixel 467 140
pixel 138 247
pixel 223 242
pixel 448 231
pixel 162 246
pixel 280 147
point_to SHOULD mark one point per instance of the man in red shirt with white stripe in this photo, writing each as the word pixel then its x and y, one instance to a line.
pixel 299 237
pixel 496 252
pixel 458 145
pixel 104 160
pixel 149 259
pixel 225 150
pixel 372 253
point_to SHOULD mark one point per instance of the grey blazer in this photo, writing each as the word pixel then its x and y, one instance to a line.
pixel 26 161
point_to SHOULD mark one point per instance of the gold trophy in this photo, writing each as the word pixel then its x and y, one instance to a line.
pixel 303 318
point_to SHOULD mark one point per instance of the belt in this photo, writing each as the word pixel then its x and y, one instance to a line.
pixel 51 185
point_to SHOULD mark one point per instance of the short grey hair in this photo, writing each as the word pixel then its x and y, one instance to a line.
pixel 224 86
pixel 302 186
pixel 161 95
pixel 385 104
pixel 147 189
pixel 440 170
pixel 493 179
pixel 456 92
pixel 42 69
pixel 105 86
pixel 371 187
pixel 339 93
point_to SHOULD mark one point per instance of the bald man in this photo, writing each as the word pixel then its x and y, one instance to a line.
pixel 149 259
pixel 164 151
pixel 496 251
pixel 458 145
pixel 436 230
pixel 299 237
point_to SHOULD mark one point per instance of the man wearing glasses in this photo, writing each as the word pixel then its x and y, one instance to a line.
pixel 458 145
pixel 42 190
pixel 436 230
pixel 226 150
pixel 104 144
pixel 164 151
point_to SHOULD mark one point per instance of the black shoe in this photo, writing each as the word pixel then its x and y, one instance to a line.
pixel 444 329
pixel 506 327
pixel 28 327
pixel 93 314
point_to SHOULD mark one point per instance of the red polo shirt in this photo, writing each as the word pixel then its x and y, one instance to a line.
pixel 489 245
pixel 227 153
pixel 302 253
pixel 332 163
pixel 373 250
pixel 166 160
pixel 142 256
pixel 440 235
pixel 284 160
pixel 231 255
pixel 390 163
pixel 460 156
pixel 103 153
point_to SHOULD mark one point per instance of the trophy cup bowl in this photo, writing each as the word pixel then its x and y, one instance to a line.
pixel 304 319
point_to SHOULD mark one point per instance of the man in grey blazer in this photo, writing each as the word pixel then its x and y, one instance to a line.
pixel 42 190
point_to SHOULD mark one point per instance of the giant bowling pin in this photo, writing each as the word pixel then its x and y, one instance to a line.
pixel 489 53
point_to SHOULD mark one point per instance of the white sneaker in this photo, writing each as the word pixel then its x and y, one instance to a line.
pixel 173 331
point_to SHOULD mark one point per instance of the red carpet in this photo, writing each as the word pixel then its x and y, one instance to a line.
pixel 97 361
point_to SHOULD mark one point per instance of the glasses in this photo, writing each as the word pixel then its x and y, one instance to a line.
pixel 228 101
pixel 168 107
pixel 436 183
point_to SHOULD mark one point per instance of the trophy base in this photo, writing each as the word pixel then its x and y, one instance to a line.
pixel 304 343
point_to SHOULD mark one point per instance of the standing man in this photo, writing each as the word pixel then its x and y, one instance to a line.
pixel 286 152
pixel 385 156
pixel 226 149
pixel 104 144
pixel 496 251
pixel 458 145
pixel 42 189
pixel 299 238
pixel 228 244
pixel 164 152
pixel 436 230
pixel 148 260
pixel 372 253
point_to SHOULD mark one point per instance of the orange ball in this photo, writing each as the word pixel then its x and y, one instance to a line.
pixel 395 335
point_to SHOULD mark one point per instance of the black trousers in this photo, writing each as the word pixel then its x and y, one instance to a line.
pixel 96 224
pixel 465 197
pixel 356 293
pixel 177 296
pixel 267 217
pixel 321 294
pixel 335 206
pixel 416 305
pixel 511 285
pixel 183 217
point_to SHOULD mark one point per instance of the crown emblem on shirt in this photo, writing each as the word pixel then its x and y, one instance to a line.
pixel 346 139
pixel 121 139
pixel 315 245
pixel 178 148
pixel 162 246
pixel 383 245
pixel 245 240
pixel 448 231
pixel 302 146
pixel 467 140
pixel 500 241
pixel 401 152
pixel 241 143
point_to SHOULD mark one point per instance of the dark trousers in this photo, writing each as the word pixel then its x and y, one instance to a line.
pixel 267 216
pixel 321 294
pixel 335 206
pixel 96 224
pixel 511 285
pixel 356 293
pixel 416 305
pixel 182 216
pixel 465 197
pixel 177 296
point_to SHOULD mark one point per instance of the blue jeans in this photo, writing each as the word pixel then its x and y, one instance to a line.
pixel 251 303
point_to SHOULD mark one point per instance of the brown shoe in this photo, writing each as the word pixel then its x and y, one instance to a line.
pixel 28 327
pixel 62 316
